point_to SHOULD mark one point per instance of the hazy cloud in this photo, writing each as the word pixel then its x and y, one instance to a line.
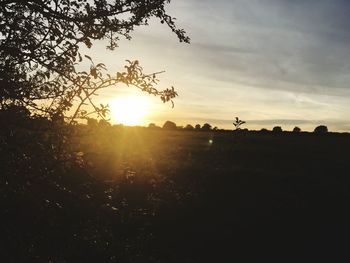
pixel 290 45
pixel 257 59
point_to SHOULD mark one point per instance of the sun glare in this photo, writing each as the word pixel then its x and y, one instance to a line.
pixel 129 110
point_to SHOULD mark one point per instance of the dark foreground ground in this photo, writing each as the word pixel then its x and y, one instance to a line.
pixel 176 196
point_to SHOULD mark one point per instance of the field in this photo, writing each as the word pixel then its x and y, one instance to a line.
pixel 186 196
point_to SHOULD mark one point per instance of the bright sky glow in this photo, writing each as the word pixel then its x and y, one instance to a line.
pixel 269 62
pixel 129 110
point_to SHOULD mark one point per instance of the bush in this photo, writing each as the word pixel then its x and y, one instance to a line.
pixel 237 123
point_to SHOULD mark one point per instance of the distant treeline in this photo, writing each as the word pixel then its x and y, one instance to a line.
pixel 170 125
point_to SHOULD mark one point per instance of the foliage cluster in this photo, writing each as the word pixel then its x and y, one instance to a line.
pixel 41 162
pixel 40 43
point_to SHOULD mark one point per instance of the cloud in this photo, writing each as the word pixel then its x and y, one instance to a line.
pixel 259 59
pixel 301 46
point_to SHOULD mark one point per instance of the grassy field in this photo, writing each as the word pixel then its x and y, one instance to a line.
pixel 183 196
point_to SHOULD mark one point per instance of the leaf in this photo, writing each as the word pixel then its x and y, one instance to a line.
pixel 101 65
pixel 93 72
pixel 88 57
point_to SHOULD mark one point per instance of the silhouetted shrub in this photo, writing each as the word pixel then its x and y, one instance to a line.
pixel 206 127
pixel 277 129
pixel 296 129
pixel 321 129
pixel 197 127
pixel 237 123
pixel 169 125
pixel 189 127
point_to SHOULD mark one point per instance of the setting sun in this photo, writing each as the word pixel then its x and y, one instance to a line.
pixel 129 110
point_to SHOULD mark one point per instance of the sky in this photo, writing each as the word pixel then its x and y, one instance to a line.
pixel 269 62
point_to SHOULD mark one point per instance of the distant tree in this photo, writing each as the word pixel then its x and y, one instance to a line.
pixel 197 127
pixel 189 127
pixel 215 128
pixel 169 125
pixel 296 130
pixel 237 123
pixel 206 127
pixel 321 129
pixel 277 129
pixel 152 126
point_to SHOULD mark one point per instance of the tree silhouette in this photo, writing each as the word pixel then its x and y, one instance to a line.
pixel 40 43
pixel 152 126
pixel 277 129
pixel 41 81
pixel 40 62
pixel 264 130
pixel 206 127
pixel 197 127
pixel 169 125
pixel 237 123
pixel 296 130
pixel 321 129
pixel 189 127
